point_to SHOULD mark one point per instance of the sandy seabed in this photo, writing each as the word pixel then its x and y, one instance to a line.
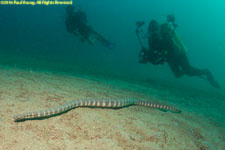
pixel 130 128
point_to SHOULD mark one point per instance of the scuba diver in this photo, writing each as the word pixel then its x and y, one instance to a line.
pixel 166 46
pixel 155 55
pixel 76 23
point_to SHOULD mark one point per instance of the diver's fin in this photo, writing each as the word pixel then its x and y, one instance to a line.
pixel 214 83
pixel 211 80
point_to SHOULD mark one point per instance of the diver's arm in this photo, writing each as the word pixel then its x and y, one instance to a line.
pixel 102 39
pixel 99 36
pixel 152 56
pixel 156 58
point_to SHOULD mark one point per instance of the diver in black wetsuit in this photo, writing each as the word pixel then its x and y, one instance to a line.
pixel 76 23
pixel 155 54
pixel 163 39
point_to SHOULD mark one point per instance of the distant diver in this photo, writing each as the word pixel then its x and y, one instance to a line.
pixel 166 46
pixel 76 23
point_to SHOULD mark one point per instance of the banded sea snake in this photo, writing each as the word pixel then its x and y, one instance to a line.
pixel 110 103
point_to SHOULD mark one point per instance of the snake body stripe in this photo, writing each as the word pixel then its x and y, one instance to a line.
pixel 110 103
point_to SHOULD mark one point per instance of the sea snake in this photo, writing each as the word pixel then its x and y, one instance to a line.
pixel 110 103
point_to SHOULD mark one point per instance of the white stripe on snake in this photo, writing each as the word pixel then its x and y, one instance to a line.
pixel 108 103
